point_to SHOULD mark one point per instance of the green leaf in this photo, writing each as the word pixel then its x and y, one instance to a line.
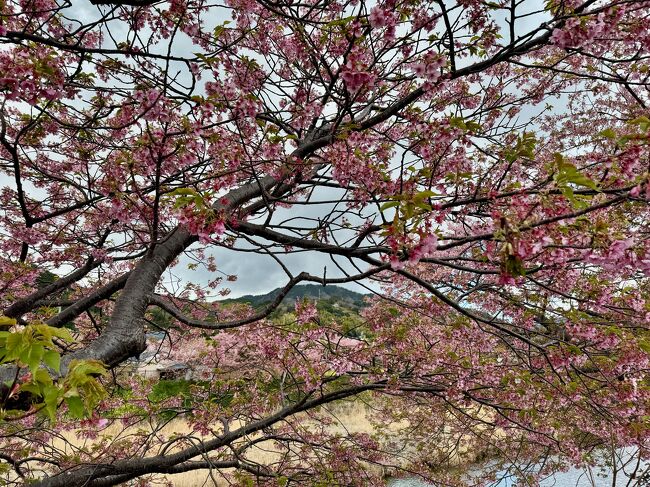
pixel 514 266
pixel 75 406
pixel 642 121
pixel 458 122
pixel 393 311
pixel 52 359
pixel 388 204
pixel 42 377
pixel 608 133
pixel 32 356
pixel 341 22
pixel 80 368
pixel 220 29
pixel 473 126
pixel 574 349
pixel 14 345
pixel 51 396
pixel 30 387
pixel 572 175
pixel 6 321
pixel 421 195
pixel 62 333
pixel 645 346
pixel 182 191
pixel 569 174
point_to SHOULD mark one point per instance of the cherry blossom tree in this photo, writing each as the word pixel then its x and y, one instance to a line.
pixel 483 166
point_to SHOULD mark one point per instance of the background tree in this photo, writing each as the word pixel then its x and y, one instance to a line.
pixel 486 163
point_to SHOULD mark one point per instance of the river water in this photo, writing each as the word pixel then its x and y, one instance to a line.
pixel 572 478
pixel 596 477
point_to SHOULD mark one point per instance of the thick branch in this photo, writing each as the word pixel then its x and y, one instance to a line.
pixel 124 335
pixel 78 307
pixel 161 463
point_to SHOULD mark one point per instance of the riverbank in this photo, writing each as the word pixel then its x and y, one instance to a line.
pixel 343 420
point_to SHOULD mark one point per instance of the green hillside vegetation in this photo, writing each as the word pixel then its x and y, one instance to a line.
pixel 336 306
pixel 325 296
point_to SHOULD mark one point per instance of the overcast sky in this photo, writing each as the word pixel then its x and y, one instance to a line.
pixel 255 273
pixel 260 273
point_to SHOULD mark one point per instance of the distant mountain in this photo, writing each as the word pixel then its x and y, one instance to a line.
pixel 325 294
